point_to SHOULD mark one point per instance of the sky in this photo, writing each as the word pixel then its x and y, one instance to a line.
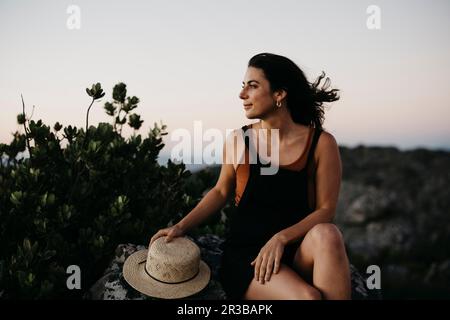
pixel 186 61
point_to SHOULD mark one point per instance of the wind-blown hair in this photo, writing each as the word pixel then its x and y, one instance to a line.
pixel 304 100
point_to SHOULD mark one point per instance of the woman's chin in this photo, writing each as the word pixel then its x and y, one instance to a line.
pixel 249 114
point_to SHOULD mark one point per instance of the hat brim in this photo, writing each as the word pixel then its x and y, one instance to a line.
pixel 135 275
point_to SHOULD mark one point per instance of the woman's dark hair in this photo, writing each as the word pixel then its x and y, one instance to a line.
pixel 304 100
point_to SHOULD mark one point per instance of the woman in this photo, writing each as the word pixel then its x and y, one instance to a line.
pixel 281 242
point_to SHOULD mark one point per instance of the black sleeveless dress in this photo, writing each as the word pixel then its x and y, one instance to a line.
pixel 269 204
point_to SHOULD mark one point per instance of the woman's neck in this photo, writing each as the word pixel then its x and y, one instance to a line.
pixel 287 128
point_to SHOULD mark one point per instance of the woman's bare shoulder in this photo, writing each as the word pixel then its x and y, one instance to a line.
pixel 325 145
pixel 326 140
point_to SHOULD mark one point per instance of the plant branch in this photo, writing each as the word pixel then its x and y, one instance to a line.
pixel 87 114
pixel 25 127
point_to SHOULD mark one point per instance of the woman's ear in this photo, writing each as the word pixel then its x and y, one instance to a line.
pixel 280 94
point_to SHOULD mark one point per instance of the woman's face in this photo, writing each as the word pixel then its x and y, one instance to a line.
pixel 256 96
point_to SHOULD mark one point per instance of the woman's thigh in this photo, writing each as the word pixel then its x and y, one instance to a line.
pixel 285 285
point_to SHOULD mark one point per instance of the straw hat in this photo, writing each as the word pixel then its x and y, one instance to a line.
pixel 168 270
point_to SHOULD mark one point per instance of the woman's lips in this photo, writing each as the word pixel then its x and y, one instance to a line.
pixel 247 106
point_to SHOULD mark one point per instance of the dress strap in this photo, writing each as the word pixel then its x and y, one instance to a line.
pixel 312 148
pixel 311 169
pixel 248 145
pixel 244 129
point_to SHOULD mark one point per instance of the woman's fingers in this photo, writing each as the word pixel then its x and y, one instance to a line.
pixel 257 266
pixel 261 265
pixel 170 235
pixel 276 267
pixel 157 235
pixel 262 270
pixel 269 269
pixel 268 260
pixel 265 267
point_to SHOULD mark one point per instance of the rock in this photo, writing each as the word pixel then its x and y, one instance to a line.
pixel 393 211
pixel 438 272
pixel 377 241
pixel 112 285
pixel 361 204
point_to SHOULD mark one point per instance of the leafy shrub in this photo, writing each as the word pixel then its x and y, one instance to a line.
pixel 73 204
pixel 198 184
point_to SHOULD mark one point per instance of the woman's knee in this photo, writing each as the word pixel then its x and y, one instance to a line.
pixel 327 235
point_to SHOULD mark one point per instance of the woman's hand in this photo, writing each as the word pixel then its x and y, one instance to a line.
pixel 268 259
pixel 170 233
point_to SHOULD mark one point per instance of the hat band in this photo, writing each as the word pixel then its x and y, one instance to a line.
pixel 148 273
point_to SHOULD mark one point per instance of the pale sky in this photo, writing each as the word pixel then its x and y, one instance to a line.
pixel 186 61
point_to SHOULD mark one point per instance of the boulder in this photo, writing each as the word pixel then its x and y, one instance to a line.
pixel 112 285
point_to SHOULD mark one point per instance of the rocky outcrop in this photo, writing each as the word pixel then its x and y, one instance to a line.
pixel 112 286
pixel 393 211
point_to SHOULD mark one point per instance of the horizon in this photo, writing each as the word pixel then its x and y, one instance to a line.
pixel 164 156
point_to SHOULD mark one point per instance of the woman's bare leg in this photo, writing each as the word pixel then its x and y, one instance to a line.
pixel 322 259
pixel 284 285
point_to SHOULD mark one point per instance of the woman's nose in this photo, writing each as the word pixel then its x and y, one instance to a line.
pixel 242 94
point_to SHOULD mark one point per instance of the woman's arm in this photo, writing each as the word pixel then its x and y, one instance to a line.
pixel 328 180
pixel 217 197
pixel 212 202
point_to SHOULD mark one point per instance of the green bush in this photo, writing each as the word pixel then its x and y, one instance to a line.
pixel 198 184
pixel 80 193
